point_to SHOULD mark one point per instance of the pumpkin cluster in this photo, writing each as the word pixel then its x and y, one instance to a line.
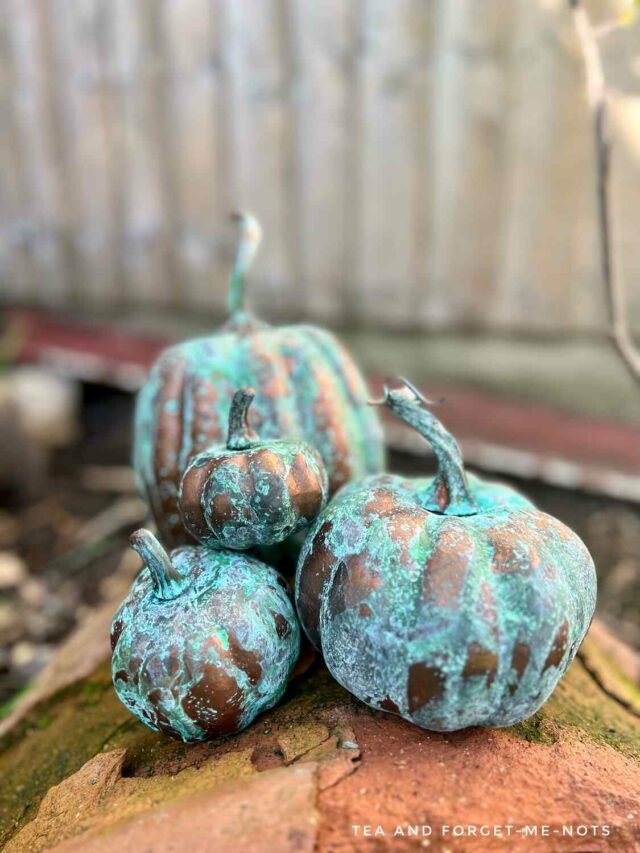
pixel 448 600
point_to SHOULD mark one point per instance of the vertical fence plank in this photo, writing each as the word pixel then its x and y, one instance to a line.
pixel 146 275
pixel 426 33
pixel 321 144
pixel 548 179
pixel 392 59
pixel 259 101
pixel 47 221
pixel 468 173
pixel 414 164
pixel 565 187
pixel 193 75
pixel 82 118
pixel 16 273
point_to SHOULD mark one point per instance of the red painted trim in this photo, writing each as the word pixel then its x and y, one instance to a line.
pixel 543 430
pixel 114 355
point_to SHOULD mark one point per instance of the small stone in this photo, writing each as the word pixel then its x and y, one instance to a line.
pixel 22 654
pixel 10 627
pixel 12 570
pixel 349 744
pixel 33 592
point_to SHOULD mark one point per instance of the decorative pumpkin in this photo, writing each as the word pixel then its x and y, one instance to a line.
pixel 308 388
pixel 448 600
pixel 249 492
pixel 204 642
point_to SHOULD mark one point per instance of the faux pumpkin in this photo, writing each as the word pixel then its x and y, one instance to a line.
pixel 450 601
pixel 205 641
pixel 307 388
pixel 248 492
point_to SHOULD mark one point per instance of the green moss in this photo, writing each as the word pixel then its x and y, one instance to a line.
pixel 63 733
pixel 536 729
pixel 7 707
pixel 53 741
pixel 579 704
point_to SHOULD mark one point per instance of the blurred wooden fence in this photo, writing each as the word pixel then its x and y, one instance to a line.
pixel 415 163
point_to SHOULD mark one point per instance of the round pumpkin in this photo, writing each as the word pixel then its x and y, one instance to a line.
pixel 447 600
pixel 248 492
pixel 204 642
pixel 307 388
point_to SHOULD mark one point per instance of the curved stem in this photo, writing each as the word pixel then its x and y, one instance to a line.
pixel 449 492
pixel 250 237
pixel 240 435
pixel 166 579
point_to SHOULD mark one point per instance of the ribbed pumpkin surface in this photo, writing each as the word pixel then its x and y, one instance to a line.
pixel 307 387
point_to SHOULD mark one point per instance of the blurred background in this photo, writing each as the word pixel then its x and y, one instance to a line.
pixel 424 172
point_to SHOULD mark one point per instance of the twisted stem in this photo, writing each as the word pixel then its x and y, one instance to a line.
pixel 449 492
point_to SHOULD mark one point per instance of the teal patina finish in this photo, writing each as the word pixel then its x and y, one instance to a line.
pixel 449 600
pixel 307 386
pixel 205 641
pixel 247 492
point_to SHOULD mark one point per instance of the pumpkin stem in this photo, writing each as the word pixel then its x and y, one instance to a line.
pixel 250 237
pixel 240 435
pixel 449 492
pixel 166 579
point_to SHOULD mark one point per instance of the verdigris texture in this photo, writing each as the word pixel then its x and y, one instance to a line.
pixel 248 492
pixel 307 387
pixel 205 641
pixel 448 600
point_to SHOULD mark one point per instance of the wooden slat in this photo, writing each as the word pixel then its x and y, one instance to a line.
pixel 319 57
pixel 35 127
pixel 468 121
pixel 193 81
pixel 85 135
pixel 391 58
pixel 414 164
pixel 259 99
pixel 16 273
pixel 136 67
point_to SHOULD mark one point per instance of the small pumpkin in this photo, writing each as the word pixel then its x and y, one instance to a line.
pixel 307 385
pixel 204 642
pixel 248 492
pixel 450 601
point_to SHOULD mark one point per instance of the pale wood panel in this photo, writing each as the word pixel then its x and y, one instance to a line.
pixel 193 92
pixel 391 59
pixel 566 191
pixel 85 136
pixel 258 103
pixel 46 220
pixel 414 163
pixel 16 272
pixel 468 121
pixel 323 51
pixel 530 143
pixel 427 35
pixel 137 66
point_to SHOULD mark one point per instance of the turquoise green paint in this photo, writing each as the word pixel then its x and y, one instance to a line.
pixel 449 620
pixel 299 373
pixel 204 642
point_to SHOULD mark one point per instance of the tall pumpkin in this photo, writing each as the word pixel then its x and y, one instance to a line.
pixel 307 387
